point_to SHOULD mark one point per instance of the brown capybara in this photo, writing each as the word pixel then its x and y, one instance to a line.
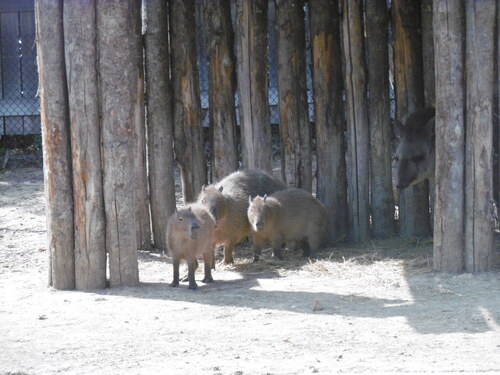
pixel 190 235
pixel 291 215
pixel 227 201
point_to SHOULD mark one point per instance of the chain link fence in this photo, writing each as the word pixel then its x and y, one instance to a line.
pixel 19 107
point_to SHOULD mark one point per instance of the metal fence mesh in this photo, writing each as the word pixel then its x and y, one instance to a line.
pixel 19 107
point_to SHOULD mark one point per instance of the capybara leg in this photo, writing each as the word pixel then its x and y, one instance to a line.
pixel 228 253
pixel 306 248
pixel 277 245
pixel 192 265
pixel 256 252
pixel 207 260
pixel 313 243
pixel 185 277
pixel 176 262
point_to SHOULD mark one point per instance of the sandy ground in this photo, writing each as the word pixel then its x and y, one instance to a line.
pixel 372 309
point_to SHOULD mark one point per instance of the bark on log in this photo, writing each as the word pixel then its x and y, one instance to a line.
pixel 382 197
pixel 428 53
pixel 479 209
pixel 122 102
pixel 449 47
pixel 296 167
pixel 414 219
pixel 221 75
pixel 188 129
pixel 329 114
pixel 81 70
pixel 159 118
pixel 251 41
pixel 56 143
pixel 357 120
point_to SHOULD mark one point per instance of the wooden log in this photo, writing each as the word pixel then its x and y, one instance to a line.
pixel 329 114
pixel 188 130
pixel 56 143
pixel 414 219
pixel 428 53
pixel 296 167
pixel 449 47
pixel 479 208
pixel 221 76
pixel 81 70
pixel 382 197
pixel 159 118
pixel 357 120
pixel 251 44
pixel 121 96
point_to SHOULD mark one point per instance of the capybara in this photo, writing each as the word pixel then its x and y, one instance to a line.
pixel 190 235
pixel 415 155
pixel 227 201
pixel 291 215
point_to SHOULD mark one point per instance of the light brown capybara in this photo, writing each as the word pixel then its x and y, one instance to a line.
pixel 190 235
pixel 291 215
pixel 227 201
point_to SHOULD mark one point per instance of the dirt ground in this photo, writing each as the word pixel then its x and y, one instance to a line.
pixel 377 308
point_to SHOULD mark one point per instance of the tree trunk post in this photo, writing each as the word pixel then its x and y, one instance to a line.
pixel 414 217
pixel 221 75
pixel 357 120
pixel 449 47
pixel 329 114
pixel 159 118
pixel 382 197
pixel 188 129
pixel 479 209
pixel 251 42
pixel 81 69
pixel 56 143
pixel 296 167
pixel 121 81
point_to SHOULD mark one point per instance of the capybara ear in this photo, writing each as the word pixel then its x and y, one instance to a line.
pixel 221 188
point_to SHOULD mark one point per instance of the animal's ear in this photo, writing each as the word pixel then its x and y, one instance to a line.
pixel 265 198
pixel 204 187
pixel 398 128
pixel 189 208
pixel 221 188
pixel 249 199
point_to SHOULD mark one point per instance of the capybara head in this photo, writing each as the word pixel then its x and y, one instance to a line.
pixel 186 223
pixel 213 200
pixel 415 154
pixel 258 212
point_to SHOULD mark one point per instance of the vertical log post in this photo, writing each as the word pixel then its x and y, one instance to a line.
pixel 329 114
pixel 296 167
pixel 159 118
pixel 428 53
pixel 251 42
pixel 81 70
pixel 479 210
pixel 56 143
pixel 449 47
pixel 382 197
pixel 121 95
pixel 357 120
pixel 188 129
pixel 221 75
pixel 414 217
